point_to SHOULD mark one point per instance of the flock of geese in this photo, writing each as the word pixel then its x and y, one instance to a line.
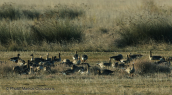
pixel 77 65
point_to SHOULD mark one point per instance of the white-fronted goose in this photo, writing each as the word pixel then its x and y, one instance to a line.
pixel 77 61
pixel 102 64
pixel 75 57
pixel 15 59
pixel 84 58
pixel 154 57
pixel 130 70
pixel 57 59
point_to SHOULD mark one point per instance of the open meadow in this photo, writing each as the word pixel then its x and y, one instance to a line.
pixel 118 83
pixel 98 28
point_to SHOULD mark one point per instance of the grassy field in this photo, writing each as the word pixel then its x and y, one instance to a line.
pixel 119 83
pixel 86 25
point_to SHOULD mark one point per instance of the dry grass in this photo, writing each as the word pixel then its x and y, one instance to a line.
pixel 105 26
pixel 151 82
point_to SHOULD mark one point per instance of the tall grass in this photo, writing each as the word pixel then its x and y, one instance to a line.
pixel 55 30
pixel 151 23
pixel 85 26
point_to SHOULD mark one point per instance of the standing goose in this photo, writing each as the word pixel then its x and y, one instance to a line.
pixel 154 57
pixel 77 61
pixel 57 59
pixel 130 70
pixel 84 58
pixel 47 58
pixel 15 59
pixel 118 57
pixel 75 57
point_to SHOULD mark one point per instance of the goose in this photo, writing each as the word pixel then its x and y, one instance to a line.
pixel 126 61
pixel 84 58
pixel 17 70
pixel 134 56
pixel 47 58
pixel 86 72
pixel 67 62
pixel 48 63
pixel 87 64
pixel 102 64
pixel 119 65
pixel 57 59
pixel 75 57
pixel 21 62
pixel 15 59
pixel 154 57
pixel 76 68
pixel 36 60
pixel 26 68
pixel 104 72
pixel 73 69
pixel 130 70
pixel 77 61
pixel 118 57
pixel 161 60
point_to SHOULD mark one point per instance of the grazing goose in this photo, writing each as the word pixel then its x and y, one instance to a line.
pixel 154 57
pixel 57 59
pixel 102 64
pixel 118 57
pixel 84 58
pixel 15 59
pixel 130 70
pixel 77 61
pixel 75 57
pixel 104 72
pixel 134 56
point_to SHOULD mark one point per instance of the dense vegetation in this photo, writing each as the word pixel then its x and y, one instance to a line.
pixel 70 27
